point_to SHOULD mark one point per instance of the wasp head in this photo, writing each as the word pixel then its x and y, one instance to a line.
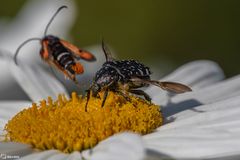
pixel 51 39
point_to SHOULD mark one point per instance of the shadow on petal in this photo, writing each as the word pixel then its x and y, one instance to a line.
pixel 172 108
pixel 156 155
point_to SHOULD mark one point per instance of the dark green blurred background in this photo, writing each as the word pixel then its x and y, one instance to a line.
pixel 173 30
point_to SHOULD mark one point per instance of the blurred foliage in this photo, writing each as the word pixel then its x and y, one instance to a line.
pixel 151 30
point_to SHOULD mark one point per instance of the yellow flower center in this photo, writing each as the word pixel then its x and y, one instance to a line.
pixel 66 126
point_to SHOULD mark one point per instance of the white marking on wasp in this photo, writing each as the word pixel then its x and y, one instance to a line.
pixel 67 64
pixel 61 55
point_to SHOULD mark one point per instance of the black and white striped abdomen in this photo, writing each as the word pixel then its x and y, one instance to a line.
pixel 65 59
pixel 61 55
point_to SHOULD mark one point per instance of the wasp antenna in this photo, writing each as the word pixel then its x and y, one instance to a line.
pixel 55 14
pixel 106 51
pixel 18 49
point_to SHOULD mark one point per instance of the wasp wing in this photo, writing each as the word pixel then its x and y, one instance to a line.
pixel 78 53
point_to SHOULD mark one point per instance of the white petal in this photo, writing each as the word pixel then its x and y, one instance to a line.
pixel 75 156
pixel 17 150
pixel 196 74
pixel 53 155
pixel 195 143
pixel 46 155
pixel 37 83
pixel 210 130
pixel 212 115
pixel 6 78
pixel 127 146
pixel 217 92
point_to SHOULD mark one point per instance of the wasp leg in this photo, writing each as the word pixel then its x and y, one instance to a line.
pixel 88 97
pixel 141 93
pixel 104 97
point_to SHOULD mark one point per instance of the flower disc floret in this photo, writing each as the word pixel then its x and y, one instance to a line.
pixel 66 126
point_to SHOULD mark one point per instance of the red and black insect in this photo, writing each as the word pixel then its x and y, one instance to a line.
pixel 124 76
pixel 60 53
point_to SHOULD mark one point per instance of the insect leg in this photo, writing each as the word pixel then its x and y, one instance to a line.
pixel 141 93
pixel 88 97
pixel 124 94
pixel 104 97
pixel 106 94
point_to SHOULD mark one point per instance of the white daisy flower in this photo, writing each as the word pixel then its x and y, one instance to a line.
pixel 199 124
pixel 202 124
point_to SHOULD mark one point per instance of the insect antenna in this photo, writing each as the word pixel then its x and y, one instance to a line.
pixel 107 52
pixel 18 49
pixel 51 20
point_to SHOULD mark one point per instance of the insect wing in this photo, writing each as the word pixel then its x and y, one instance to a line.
pixel 79 53
pixel 169 86
pixel 173 87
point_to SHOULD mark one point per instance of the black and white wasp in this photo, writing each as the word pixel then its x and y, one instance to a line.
pixel 127 76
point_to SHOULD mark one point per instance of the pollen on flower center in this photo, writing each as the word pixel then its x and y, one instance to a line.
pixel 64 124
